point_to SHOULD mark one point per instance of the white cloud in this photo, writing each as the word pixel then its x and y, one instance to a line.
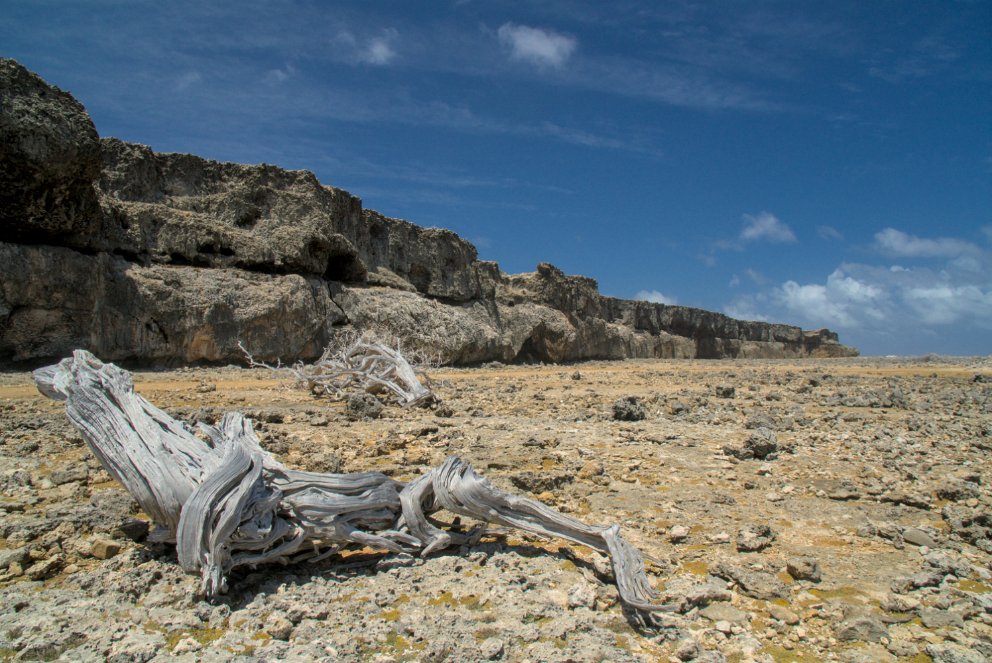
pixel 276 76
pixel 887 308
pixel 734 281
pixel 766 226
pixel 655 297
pixel 897 243
pixel 945 304
pixel 756 276
pixel 743 310
pixel 543 48
pixel 841 302
pixel 378 50
pixel 829 232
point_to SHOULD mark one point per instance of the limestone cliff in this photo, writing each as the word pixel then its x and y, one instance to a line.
pixel 162 259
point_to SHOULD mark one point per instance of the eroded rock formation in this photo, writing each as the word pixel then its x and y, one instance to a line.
pixel 162 259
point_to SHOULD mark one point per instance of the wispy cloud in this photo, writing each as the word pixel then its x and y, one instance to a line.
pixel 829 232
pixel 902 245
pixel 929 55
pixel 280 75
pixel 766 227
pixel 536 46
pixel 756 277
pixel 187 80
pixel 655 297
pixel 378 49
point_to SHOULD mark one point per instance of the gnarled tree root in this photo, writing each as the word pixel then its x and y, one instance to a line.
pixel 226 502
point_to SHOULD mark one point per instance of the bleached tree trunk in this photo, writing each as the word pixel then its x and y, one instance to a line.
pixel 366 364
pixel 226 502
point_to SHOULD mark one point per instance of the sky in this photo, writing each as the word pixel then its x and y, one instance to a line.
pixel 821 164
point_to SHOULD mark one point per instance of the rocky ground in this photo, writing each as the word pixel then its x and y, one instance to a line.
pixel 798 511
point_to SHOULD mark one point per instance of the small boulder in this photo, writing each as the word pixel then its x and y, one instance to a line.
pixel 754 538
pixel 105 548
pixel 861 628
pixel 762 445
pixel 804 568
pixel 629 408
pixel 918 537
pixel 278 626
pixel 363 406
pixel 725 391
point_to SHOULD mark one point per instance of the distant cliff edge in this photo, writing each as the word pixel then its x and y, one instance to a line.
pixel 167 259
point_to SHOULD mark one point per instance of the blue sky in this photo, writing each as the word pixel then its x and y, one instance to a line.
pixel 812 163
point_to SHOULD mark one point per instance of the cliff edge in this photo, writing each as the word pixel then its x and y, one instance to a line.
pixel 168 259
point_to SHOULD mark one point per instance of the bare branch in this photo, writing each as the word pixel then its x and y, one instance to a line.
pixel 364 364
pixel 226 502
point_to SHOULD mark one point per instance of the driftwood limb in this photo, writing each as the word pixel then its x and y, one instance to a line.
pixel 226 502
pixel 365 363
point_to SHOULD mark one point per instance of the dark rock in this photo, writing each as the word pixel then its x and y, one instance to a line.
pixel 45 568
pixel 948 652
pixel 134 529
pixel 756 584
pixel 913 499
pixel 536 483
pixel 444 411
pixel 971 525
pixel 945 564
pixel 114 502
pixel 75 472
pixel 49 163
pixel 861 628
pixel 956 490
pixel 928 578
pixel 363 405
pixel 934 618
pixel 918 537
pixel 804 568
pixel 761 445
pixel 725 391
pixel 754 538
pixel 629 408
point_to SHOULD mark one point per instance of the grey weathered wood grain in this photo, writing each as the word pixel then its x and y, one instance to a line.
pixel 367 364
pixel 226 502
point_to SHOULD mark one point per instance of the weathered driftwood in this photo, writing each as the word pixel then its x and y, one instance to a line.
pixel 226 502
pixel 364 363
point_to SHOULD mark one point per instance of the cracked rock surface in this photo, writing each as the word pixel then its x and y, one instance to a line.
pixel 870 541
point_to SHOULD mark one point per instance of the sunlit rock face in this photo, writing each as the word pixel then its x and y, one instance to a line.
pixel 165 259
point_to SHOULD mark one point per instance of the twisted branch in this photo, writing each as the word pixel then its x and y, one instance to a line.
pixel 226 502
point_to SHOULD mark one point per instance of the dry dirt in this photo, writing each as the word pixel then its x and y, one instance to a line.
pixel 875 489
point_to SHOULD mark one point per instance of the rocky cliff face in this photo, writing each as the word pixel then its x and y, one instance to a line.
pixel 162 259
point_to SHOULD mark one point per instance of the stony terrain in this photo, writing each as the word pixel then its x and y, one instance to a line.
pixel 798 511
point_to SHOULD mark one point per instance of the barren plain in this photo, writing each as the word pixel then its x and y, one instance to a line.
pixel 809 510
